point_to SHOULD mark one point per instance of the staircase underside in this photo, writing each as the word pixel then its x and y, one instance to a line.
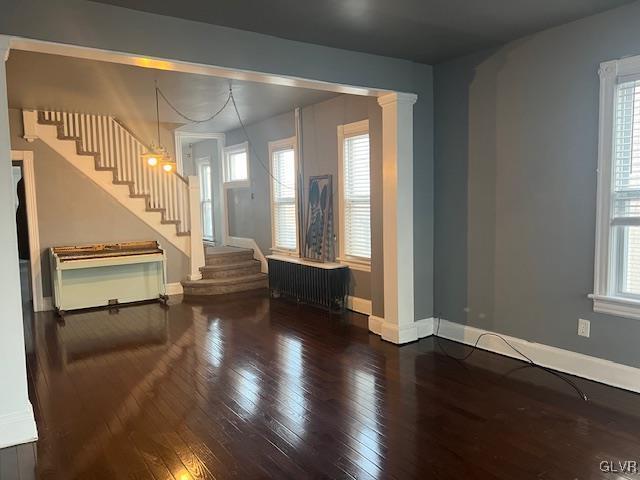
pixel 227 270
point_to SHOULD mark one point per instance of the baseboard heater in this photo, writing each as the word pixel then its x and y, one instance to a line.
pixel 322 284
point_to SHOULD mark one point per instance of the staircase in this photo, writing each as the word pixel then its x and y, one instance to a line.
pixel 109 154
pixel 227 270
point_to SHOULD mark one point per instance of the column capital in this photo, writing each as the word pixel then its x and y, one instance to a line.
pixel 397 97
pixel 5 47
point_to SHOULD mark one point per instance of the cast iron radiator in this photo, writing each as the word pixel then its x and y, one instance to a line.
pixel 322 284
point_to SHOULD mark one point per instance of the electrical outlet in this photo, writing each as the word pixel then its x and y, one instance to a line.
pixel 584 327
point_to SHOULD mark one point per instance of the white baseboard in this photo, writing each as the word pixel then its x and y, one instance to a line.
pixel 18 427
pixel 405 334
pixel 359 305
pixel 174 288
pixel 592 368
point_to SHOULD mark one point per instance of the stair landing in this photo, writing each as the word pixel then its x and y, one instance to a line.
pixel 227 270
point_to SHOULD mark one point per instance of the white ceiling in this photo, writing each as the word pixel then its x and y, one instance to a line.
pixel 37 80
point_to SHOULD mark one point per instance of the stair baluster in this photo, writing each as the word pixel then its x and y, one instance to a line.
pixel 116 148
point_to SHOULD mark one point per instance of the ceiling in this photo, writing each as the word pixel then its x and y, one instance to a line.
pixel 128 92
pixel 426 31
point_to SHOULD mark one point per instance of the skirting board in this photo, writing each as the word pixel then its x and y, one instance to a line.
pixel 578 364
pixel 359 305
pixel 408 333
pixel 17 428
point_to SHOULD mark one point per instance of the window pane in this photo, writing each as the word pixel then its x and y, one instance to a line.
pixel 205 181
pixel 236 166
pixel 629 259
pixel 284 172
pixel 207 220
pixel 357 197
pixel 284 199
pixel 627 151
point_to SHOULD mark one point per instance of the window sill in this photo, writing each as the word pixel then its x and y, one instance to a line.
pixel 618 306
pixel 236 184
pixel 360 265
pixel 287 253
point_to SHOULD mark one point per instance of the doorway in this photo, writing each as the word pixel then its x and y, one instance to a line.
pixel 22 231
pixel 200 155
pixel 27 231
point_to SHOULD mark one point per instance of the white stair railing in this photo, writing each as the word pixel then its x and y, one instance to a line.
pixel 117 149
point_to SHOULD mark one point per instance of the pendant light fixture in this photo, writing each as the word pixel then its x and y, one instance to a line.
pixel 157 154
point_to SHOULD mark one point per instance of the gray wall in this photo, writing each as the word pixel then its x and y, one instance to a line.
pixel 72 210
pixel 249 209
pixel 102 26
pixel 516 134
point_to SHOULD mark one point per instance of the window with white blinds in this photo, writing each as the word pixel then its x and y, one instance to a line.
pixel 284 216
pixel 626 188
pixel 617 260
pixel 355 194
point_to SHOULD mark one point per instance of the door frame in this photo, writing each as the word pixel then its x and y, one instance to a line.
pixel 180 135
pixel 25 157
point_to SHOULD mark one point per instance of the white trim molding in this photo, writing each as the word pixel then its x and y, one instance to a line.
pixel 566 361
pixel 276 146
pixel 390 332
pixel 28 173
pixel 359 305
pixel 18 427
pixel 344 132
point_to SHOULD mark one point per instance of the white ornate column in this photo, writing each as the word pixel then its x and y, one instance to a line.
pixel 398 324
pixel 17 424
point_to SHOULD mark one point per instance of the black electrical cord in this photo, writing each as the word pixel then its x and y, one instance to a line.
pixel 531 362
pixel 193 120
pixel 253 150
pixel 230 98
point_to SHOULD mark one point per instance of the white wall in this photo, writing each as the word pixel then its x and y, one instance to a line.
pixel 16 416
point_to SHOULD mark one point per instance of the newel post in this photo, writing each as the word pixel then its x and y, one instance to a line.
pixel 196 259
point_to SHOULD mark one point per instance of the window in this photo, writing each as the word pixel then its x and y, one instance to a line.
pixel 284 210
pixel 206 207
pixel 236 165
pixel 355 194
pixel 617 265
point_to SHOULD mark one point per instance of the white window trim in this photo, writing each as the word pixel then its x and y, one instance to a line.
pixel 231 149
pixel 274 146
pixel 345 131
pixel 604 298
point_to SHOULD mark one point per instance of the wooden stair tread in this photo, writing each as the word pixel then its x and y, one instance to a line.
pixel 225 281
pixel 228 251
pixel 229 266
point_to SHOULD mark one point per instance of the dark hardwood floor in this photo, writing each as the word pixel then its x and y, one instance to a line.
pixel 249 387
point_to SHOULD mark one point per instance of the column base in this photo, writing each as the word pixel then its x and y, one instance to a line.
pixel 403 333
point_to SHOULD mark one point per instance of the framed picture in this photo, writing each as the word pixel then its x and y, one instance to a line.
pixel 318 240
